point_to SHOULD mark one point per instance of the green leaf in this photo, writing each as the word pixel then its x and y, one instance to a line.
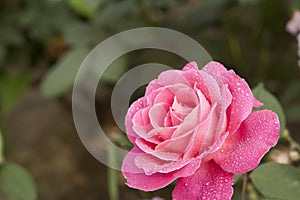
pixel 12 88
pixel 17 183
pixel 74 32
pixel 10 36
pixel 270 102
pixel 237 177
pixel 277 181
pixel 86 8
pixel 1 148
pixel 61 77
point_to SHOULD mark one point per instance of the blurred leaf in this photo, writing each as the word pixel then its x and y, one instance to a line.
pixel 82 34
pixel 12 88
pixel 270 102
pixel 17 183
pixel 115 70
pixel 119 16
pixel 237 193
pixel 43 28
pixel 277 181
pixel 10 36
pixel 1 148
pixel 86 8
pixel 61 76
pixel 237 177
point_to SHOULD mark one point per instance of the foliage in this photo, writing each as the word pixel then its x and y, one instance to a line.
pixel 277 181
pixel 270 102
pixel 61 77
pixel 17 183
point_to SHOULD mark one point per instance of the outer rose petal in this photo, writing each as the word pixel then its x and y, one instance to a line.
pixel 209 182
pixel 242 101
pixel 242 151
pixel 136 178
pixel 135 106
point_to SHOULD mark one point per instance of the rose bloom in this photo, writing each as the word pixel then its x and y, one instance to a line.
pixel 196 127
pixel 293 25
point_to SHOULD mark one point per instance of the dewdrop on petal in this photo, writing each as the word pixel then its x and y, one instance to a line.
pixel 293 27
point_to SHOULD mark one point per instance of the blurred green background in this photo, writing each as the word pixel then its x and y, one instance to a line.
pixel 43 42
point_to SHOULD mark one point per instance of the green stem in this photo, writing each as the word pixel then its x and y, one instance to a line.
pixel 112 177
pixel 245 179
pixel 293 143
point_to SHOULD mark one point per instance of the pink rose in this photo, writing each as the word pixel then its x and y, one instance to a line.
pixel 293 25
pixel 196 126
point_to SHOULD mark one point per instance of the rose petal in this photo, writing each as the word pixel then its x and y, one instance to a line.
pixel 151 164
pixel 176 118
pixel 242 101
pixel 149 147
pixel 187 97
pixel 222 122
pixel 135 106
pixel 136 178
pixel 208 182
pixel 204 82
pixel 139 118
pixel 203 136
pixel 142 131
pixel 242 151
pixel 172 77
pixel 204 105
pixel 214 93
pixel 189 123
pixel 175 145
pixel 165 95
pixel 157 114
pixel 190 66
pixel 153 85
pixel 178 112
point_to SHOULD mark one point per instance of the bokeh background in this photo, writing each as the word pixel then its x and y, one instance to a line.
pixel 43 42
